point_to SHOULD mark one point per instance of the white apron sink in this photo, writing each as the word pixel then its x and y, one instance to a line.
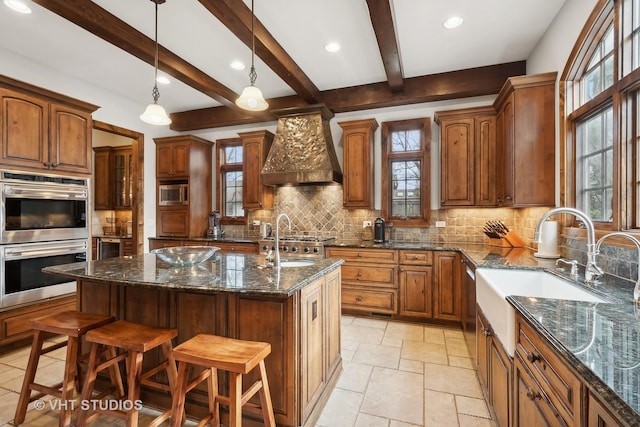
pixel 494 285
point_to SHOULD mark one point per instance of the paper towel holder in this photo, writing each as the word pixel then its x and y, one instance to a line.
pixel 552 244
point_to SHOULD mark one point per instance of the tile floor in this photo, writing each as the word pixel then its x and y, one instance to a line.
pixel 394 375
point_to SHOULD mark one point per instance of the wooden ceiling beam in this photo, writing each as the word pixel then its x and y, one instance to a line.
pixel 236 16
pixel 436 87
pixel 88 15
pixel 382 21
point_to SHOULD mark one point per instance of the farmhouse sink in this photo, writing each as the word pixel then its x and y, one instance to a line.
pixel 494 285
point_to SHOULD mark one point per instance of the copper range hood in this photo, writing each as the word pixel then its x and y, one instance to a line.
pixel 302 151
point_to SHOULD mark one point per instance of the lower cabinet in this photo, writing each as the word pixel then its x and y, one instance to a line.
pixel 599 416
pixel 447 292
pixel 494 370
pixel 531 406
pixel 225 247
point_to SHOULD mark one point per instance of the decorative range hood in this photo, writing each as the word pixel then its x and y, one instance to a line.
pixel 302 151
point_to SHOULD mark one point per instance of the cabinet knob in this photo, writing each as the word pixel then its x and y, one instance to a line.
pixel 359 254
pixel 531 357
pixel 416 257
pixel 533 395
pixel 359 298
pixel 485 331
pixel 507 197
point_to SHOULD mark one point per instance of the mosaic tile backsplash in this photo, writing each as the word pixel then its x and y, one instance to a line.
pixel 317 211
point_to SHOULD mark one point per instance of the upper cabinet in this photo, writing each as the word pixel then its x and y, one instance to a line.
pixel 357 140
pixel 44 131
pixel 255 148
pixel 526 141
pixel 467 157
pixel 502 155
pixel 112 172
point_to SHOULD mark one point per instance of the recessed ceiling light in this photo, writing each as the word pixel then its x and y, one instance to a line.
pixel 332 47
pixel 237 65
pixel 163 80
pixel 17 5
pixel 453 22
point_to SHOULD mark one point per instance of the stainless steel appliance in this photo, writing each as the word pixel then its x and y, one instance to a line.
pixel 469 320
pixel 173 194
pixel 42 207
pixel 215 228
pixel 21 276
pixel 296 246
pixel 378 230
pixel 108 247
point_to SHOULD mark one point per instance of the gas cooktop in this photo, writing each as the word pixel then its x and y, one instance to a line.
pixel 302 238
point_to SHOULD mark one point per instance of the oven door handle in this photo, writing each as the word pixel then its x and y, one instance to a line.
pixel 49 193
pixel 24 253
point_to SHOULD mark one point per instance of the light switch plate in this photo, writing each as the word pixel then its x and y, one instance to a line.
pixel 366 224
pixel 256 222
pixel 441 224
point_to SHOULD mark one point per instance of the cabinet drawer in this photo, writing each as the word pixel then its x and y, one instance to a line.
pixel 379 301
pixel 415 257
pixel 554 377
pixel 378 256
pixel 369 275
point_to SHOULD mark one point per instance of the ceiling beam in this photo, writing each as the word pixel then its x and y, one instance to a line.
pixel 236 16
pixel 382 21
pixel 435 87
pixel 96 20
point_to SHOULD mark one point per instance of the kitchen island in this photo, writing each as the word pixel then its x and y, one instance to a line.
pixel 296 310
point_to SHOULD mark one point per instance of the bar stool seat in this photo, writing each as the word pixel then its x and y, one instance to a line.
pixel 238 357
pixel 74 325
pixel 135 340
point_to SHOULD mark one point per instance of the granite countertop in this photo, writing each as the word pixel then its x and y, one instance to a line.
pixel 221 273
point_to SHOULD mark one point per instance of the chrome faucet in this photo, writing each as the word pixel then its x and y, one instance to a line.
pixel 574 266
pixel 592 272
pixel 277 259
pixel 636 288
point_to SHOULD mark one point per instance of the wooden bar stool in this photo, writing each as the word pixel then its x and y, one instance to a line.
pixel 74 325
pixel 238 357
pixel 135 339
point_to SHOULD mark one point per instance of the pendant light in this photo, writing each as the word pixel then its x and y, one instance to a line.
pixel 155 114
pixel 251 98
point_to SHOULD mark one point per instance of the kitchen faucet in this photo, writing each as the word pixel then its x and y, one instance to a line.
pixel 282 215
pixel 592 272
pixel 636 288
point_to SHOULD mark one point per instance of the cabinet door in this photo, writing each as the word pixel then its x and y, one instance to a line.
pixel 531 407
pixel 172 160
pixel 312 325
pixel 102 179
pixel 415 291
pixel 599 416
pixel 483 336
pixel 333 317
pixel 121 178
pixel 447 292
pixel 357 140
pixel 173 222
pixel 485 161
pixel 24 122
pixel 255 147
pixel 70 140
pixel 507 151
pixel 499 389
pixel 457 162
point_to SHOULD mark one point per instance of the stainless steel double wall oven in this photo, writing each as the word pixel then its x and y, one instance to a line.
pixel 43 222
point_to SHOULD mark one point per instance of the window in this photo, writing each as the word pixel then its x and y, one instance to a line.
pixel 229 182
pixel 405 172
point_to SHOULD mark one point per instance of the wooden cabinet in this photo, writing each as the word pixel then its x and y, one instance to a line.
pixel 126 247
pixel 525 127
pixel 44 131
pixel 494 370
pixel 164 243
pixel 416 284
pixel 599 416
pixel 358 178
pixel 467 157
pixel 448 300
pixel 255 148
pixel 184 159
pixel 247 248
pixel 531 407
pixel 561 386
pixel 112 172
pixel 369 280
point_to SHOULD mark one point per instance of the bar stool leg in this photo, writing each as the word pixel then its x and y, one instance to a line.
pixel 265 398
pixel 89 382
pixel 214 405
pixel 29 376
pixel 235 397
pixel 68 382
pixel 134 374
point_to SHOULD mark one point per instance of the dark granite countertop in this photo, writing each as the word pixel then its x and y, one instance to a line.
pixel 222 273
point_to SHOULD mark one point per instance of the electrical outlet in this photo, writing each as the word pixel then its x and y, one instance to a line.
pixel 441 224
pixel 256 222
pixel 366 224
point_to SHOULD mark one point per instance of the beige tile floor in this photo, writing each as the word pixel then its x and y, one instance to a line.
pixel 394 375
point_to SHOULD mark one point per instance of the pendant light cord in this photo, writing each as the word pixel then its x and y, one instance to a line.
pixel 252 73
pixel 156 93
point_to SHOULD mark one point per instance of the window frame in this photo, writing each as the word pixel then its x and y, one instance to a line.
pixel 221 169
pixel 423 155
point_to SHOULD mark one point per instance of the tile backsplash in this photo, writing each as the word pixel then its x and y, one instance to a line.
pixel 317 210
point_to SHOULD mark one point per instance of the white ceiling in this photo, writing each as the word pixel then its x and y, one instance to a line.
pixel 494 31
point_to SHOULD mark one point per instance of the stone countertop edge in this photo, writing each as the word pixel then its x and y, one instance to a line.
pixel 147 271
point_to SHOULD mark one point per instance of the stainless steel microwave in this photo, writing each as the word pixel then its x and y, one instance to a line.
pixel 173 194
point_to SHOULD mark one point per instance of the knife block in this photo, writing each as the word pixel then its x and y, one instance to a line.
pixel 500 243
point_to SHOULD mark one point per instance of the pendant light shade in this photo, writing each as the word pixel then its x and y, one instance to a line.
pixel 155 114
pixel 251 98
